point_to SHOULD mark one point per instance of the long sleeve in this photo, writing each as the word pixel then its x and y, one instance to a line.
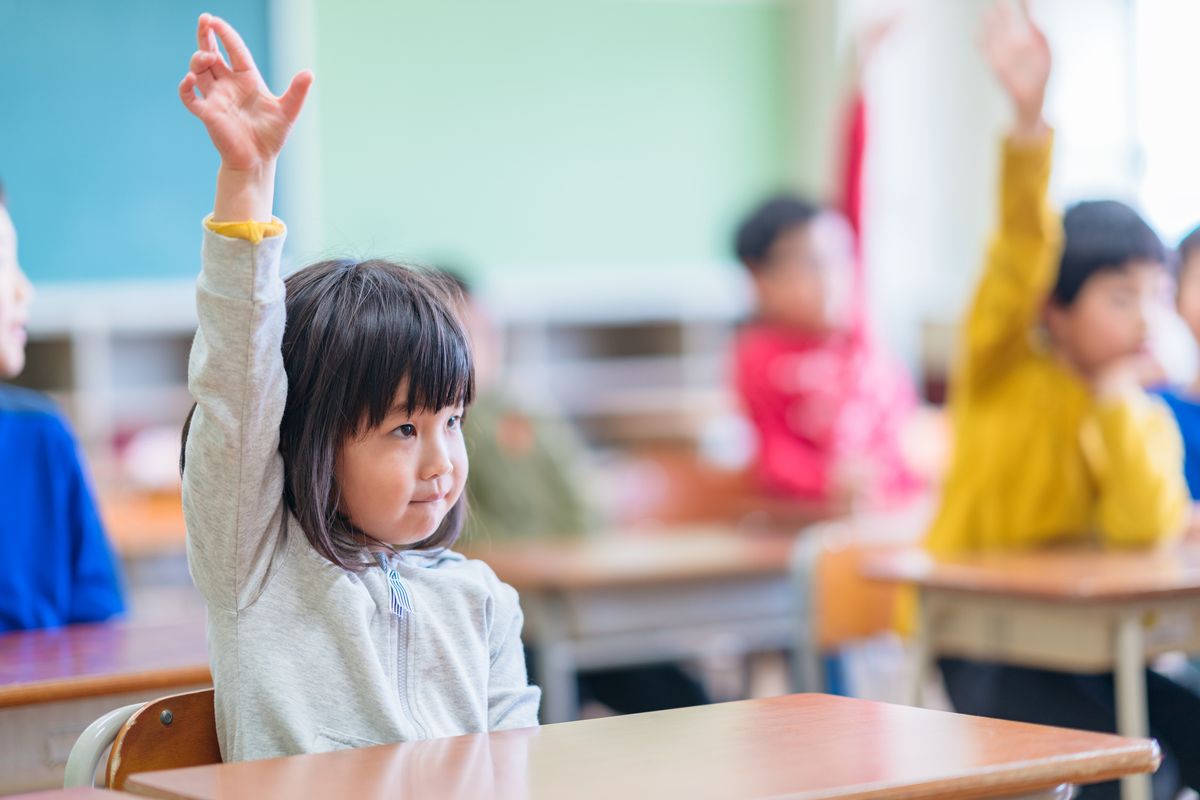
pixel 512 702
pixel 788 461
pixel 854 143
pixel 233 481
pixel 854 151
pixel 793 466
pixel 1019 271
pixel 1135 455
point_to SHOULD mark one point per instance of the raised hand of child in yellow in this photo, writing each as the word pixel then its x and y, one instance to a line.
pixel 1019 55
pixel 247 124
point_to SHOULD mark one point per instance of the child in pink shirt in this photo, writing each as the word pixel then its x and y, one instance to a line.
pixel 827 401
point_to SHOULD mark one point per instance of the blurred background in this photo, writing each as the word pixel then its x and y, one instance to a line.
pixel 582 164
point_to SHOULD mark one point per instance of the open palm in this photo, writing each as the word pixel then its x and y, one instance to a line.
pixel 1019 55
pixel 247 124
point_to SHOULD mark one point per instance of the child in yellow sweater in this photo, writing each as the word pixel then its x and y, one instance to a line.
pixel 1055 438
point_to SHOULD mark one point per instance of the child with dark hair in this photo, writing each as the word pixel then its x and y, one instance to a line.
pixel 827 402
pixel 324 470
pixel 55 564
pixel 526 484
pixel 1056 440
pixel 1185 401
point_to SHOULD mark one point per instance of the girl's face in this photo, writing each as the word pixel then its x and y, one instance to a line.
pixel 15 296
pixel 399 480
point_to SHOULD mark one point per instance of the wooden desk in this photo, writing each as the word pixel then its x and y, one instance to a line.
pixel 1071 610
pixel 76 793
pixel 624 599
pixel 82 661
pixel 54 683
pixel 806 747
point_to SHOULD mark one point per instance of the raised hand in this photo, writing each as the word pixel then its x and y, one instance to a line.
pixel 1019 55
pixel 870 36
pixel 247 124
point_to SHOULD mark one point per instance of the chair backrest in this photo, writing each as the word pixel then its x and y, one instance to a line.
pixel 835 604
pixel 169 733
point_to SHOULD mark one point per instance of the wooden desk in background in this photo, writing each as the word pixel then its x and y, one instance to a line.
pixel 142 525
pixel 625 599
pixel 1070 610
pixel 54 683
pixel 807 747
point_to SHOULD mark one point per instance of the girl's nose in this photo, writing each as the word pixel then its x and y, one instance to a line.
pixel 437 463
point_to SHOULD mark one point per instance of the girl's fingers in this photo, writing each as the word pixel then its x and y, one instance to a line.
pixel 204 34
pixel 293 99
pixel 187 93
pixel 202 60
pixel 208 66
pixel 239 54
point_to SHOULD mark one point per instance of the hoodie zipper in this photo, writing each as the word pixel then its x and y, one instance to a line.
pixel 400 602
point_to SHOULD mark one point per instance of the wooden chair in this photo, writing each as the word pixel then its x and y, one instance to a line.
pixel 169 733
pixel 835 604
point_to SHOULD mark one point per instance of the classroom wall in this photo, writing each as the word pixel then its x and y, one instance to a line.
pixel 543 134
pixel 107 174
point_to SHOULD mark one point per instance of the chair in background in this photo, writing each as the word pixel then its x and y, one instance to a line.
pixel 835 605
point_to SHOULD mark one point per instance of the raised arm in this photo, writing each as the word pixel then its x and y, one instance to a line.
pixel 1021 262
pixel 852 144
pixel 233 475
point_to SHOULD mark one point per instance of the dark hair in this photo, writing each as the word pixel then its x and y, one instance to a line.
pixel 457 278
pixel 356 331
pixel 1099 236
pixel 1188 246
pixel 766 223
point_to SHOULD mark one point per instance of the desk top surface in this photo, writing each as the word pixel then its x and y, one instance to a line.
pixel 1060 574
pixel 650 557
pixel 801 746
pixel 75 793
pixel 107 658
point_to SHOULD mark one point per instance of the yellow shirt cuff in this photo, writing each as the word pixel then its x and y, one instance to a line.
pixel 253 232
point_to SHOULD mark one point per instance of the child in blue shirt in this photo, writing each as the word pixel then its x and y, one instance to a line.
pixel 55 565
pixel 1185 401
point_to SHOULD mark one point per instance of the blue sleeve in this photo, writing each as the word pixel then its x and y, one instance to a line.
pixel 95 587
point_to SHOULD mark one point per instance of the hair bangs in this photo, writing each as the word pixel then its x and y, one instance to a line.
pixel 404 345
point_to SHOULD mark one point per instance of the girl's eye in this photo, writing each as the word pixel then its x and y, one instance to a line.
pixel 406 431
pixel 455 422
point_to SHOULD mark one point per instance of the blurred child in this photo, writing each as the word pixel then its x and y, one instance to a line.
pixel 323 472
pixel 526 484
pixel 1055 438
pixel 525 467
pixel 55 565
pixel 829 404
pixel 1185 401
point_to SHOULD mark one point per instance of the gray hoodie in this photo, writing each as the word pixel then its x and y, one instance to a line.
pixel 307 656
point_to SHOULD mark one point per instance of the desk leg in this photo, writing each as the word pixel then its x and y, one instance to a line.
pixel 922 652
pixel 1130 680
pixel 556 667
